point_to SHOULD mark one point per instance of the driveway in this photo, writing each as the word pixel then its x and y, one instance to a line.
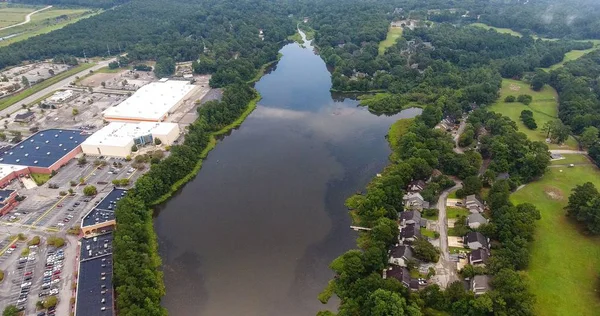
pixel 445 269
pixel 27 18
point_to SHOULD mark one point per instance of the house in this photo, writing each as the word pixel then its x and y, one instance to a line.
pixel 475 220
pixel 399 255
pixel 476 240
pixel 479 256
pixel 473 204
pixel 410 233
pixel 480 284
pixel 403 275
pixel 416 186
pixel 414 201
pixel 410 218
pixel 503 176
pixel 24 117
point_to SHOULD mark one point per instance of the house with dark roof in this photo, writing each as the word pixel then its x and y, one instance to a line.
pixel 410 233
pixel 416 186
pixel 414 201
pixel 479 256
pixel 473 204
pixel 400 254
pixel 403 275
pixel 410 218
pixel 480 284
pixel 475 220
pixel 476 240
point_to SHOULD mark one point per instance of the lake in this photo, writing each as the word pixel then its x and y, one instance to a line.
pixel 255 231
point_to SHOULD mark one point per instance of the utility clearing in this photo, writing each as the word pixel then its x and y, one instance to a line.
pixel 393 34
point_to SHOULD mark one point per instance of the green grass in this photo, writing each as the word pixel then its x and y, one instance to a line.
pixel 107 70
pixel 45 22
pixel 544 107
pixel 431 218
pixel 452 195
pixel 6 102
pixel 575 54
pixel 573 158
pixel 40 178
pixel 564 263
pixel 427 233
pixel 10 15
pixel 498 29
pixel 393 34
pixel 455 212
pixel 296 38
pixel 399 128
pixel 457 249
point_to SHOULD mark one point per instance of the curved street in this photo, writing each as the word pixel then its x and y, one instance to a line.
pixel 27 19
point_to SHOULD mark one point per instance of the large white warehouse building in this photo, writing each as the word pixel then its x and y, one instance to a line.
pixel 116 139
pixel 151 103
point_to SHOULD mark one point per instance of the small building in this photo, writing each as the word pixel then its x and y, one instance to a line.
pixel 414 201
pixel 410 218
pixel 410 233
pixel 476 240
pixel 416 186
pixel 479 256
pixel 480 284
pixel 473 204
pixel 24 117
pixel 60 97
pixel 102 216
pixel 399 273
pixel 475 220
pixel 8 200
pixel 400 255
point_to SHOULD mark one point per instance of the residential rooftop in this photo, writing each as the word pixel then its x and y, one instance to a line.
pixel 43 149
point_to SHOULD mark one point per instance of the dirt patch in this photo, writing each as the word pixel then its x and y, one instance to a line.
pixel 514 87
pixel 554 193
pixel 96 79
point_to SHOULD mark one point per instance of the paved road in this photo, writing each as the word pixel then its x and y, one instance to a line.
pixel 27 19
pixel 461 129
pixel 567 151
pixel 445 268
pixel 59 85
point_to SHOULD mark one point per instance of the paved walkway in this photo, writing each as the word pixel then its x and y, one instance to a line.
pixel 567 151
pixel 27 19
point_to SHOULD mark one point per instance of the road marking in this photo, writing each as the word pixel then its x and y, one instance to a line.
pixel 8 246
pixel 48 211
pixel 29 226
pixel 131 175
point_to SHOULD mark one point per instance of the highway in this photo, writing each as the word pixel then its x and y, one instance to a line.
pixel 63 84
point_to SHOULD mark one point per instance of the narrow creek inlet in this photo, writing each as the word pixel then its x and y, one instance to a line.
pixel 255 231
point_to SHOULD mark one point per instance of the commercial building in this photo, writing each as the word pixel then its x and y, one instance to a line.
pixel 117 139
pixel 60 97
pixel 8 200
pixel 43 152
pixel 102 216
pixel 151 103
pixel 95 294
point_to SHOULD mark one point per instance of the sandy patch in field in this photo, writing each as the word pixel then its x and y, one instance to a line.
pixel 96 79
pixel 514 87
pixel 553 193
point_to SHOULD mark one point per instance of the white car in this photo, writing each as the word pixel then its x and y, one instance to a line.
pixel 53 291
pixel 60 224
pixel 9 251
pixel 48 273
pixel 26 284
pixel 22 300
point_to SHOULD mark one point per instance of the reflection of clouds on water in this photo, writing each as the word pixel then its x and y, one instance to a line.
pixel 278 113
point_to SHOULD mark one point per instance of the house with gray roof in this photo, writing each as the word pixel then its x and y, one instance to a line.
pixel 473 204
pixel 415 201
pixel 400 254
pixel 403 275
pixel 479 256
pixel 476 240
pixel 410 218
pixel 410 233
pixel 480 284
pixel 475 220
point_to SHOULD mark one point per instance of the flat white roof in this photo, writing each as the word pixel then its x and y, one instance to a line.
pixel 6 169
pixel 122 134
pixel 151 102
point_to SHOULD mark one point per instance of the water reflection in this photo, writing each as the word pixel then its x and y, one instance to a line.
pixel 255 231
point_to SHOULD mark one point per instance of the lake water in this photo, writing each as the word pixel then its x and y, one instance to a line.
pixel 255 231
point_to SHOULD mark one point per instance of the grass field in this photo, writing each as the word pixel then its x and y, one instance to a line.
pixel 393 34
pixel 498 29
pixel 44 22
pixel 455 212
pixel 574 159
pixel 544 108
pixel 427 233
pixel 575 54
pixel 6 102
pixel 564 263
pixel 40 178
pixel 11 14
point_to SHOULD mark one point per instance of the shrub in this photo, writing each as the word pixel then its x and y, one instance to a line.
pixel 510 99
pixel 525 99
pixel 90 190
pixel 34 241
pixel 55 241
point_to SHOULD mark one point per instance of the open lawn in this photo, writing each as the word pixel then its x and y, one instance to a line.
pixel 397 130
pixel 544 107
pixel 393 34
pixel 572 159
pixel 428 233
pixel 455 212
pixel 498 29
pixel 11 14
pixel 40 178
pixel 574 54
pixel 45 22
pixel 564 263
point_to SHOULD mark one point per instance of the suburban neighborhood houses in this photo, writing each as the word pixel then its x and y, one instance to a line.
pixel 420 221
